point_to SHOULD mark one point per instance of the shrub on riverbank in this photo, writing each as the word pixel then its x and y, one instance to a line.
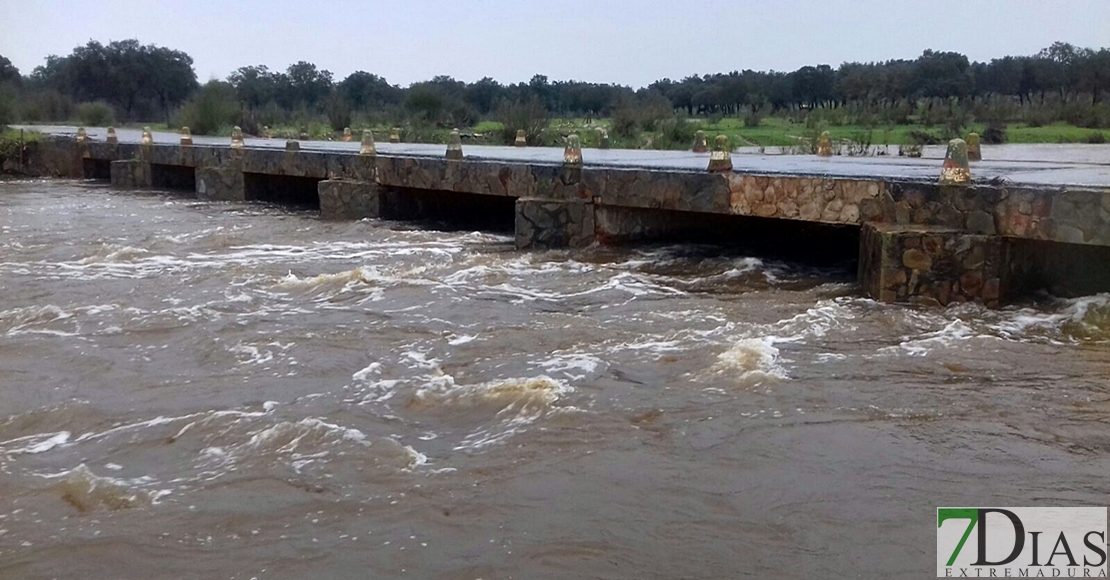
pixel 44 106
pixel 211 108
pixel 95 114
pixel 530 116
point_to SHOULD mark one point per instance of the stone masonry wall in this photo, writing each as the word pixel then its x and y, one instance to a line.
pixel 130 174
pixel 346 199
pixel 220 184
pixel 545 223
pixel 1063 214
pixel 932 265
pixel 53 157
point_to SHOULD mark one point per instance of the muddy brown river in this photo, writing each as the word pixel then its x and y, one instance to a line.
pixel 232 391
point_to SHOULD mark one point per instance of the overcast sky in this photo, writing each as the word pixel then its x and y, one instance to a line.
pixel 628 42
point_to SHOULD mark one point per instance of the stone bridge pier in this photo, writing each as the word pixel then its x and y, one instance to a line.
pixel 349 199
pixel 131 174
pixel 933 265
pixel 221 183
pixel 554 223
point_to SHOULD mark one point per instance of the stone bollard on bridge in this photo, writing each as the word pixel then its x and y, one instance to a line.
pixel 824 145
pixel 454 145
pixel 292 146
pixel 956 169
pixel 186 137
pixel 572 160
pixel 603 140
pixel 146 145
pixel 974 152
pixel 720 160
pixel 521 140
pixel 367 146
pixel 237 138
pixel 347 136
pixel 112 139
pixel 700 144
pixel 395 135
pixel 572 153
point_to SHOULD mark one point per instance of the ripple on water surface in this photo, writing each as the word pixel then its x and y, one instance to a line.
pixel 182 376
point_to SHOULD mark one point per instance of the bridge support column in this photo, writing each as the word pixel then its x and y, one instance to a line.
pixel 347 199
pixel 130 174
pixel 932 265
pixel 554 223
pixel 220 183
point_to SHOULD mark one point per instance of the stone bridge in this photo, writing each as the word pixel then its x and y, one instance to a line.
pixel 1018 226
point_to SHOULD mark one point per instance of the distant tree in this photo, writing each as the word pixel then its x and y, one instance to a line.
pixel 780 89
pixel 1093 73
pixel 484 95
pixel 1003 76
pixel 133 77
pixel 8 72
pixel 173 79
pixel 425 102
pixel 858 82
pixel 1073 63
pixel 1043 75
pixel 307 86
pixel 254 85
pixel 814 85
pixel 364 90
pixel 9 79
pixel 147 81
pixel 941 75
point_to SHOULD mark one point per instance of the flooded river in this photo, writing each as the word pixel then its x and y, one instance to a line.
pixel 204 390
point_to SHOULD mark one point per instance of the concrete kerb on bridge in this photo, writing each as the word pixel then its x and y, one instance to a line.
pixel 921 241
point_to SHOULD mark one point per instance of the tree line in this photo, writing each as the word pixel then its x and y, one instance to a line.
pixel 137 82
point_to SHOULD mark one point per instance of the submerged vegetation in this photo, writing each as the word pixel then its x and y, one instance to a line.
pixel 1056 95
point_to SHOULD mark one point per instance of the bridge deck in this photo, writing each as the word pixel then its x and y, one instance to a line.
pixel 1031 165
